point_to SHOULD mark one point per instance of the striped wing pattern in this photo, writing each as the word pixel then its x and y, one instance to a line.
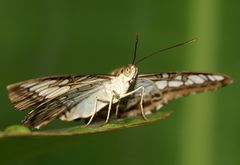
pixel 52 97
pixel 161 88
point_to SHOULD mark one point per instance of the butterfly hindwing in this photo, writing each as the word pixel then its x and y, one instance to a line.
pixel 160 88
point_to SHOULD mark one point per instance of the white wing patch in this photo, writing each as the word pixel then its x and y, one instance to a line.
pixel 175 83
pixel 28 85
pixel 189 82
pixel 41 89
pixel 178 77
pixel 203 77
pixel 42 84
pixel 58 92
pixel 64 82
pixel 196 79
pixel 161 84
pixel 47 91
pixel 165 75
pixel 211 77
pixel 178 80
pixel 218 77
pixel 48 88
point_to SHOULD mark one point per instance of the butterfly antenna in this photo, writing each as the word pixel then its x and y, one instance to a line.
pixel 135 49
pixel 162 50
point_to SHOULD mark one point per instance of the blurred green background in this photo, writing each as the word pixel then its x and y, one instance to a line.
pixel 50 37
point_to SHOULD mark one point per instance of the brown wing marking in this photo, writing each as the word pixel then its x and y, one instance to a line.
pixel 53 96
pixel 163 91
pixel 35 92
pixel 184 84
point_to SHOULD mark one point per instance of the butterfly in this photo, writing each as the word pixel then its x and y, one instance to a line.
pixel 72 97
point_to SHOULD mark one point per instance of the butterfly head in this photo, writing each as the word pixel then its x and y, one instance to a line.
pixel 128 73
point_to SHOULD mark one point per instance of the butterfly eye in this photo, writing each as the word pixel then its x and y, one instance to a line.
pixel 127 71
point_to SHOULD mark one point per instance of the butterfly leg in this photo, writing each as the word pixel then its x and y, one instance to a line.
pixel 109 107
pixel 95 110
pixel 114 95
pixel 141 104
pixel 117 108
pixel 141 101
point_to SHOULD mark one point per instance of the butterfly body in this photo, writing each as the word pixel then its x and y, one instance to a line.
pixel 70 97
pixel 112 90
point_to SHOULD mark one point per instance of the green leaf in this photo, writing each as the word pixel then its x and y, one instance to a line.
pixel 19 130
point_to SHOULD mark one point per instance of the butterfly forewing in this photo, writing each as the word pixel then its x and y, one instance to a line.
pixel 35 92
pixel 54 96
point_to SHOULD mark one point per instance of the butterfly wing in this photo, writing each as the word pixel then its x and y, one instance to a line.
pixel 56 96
pixel 160 88
pixel 52 96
